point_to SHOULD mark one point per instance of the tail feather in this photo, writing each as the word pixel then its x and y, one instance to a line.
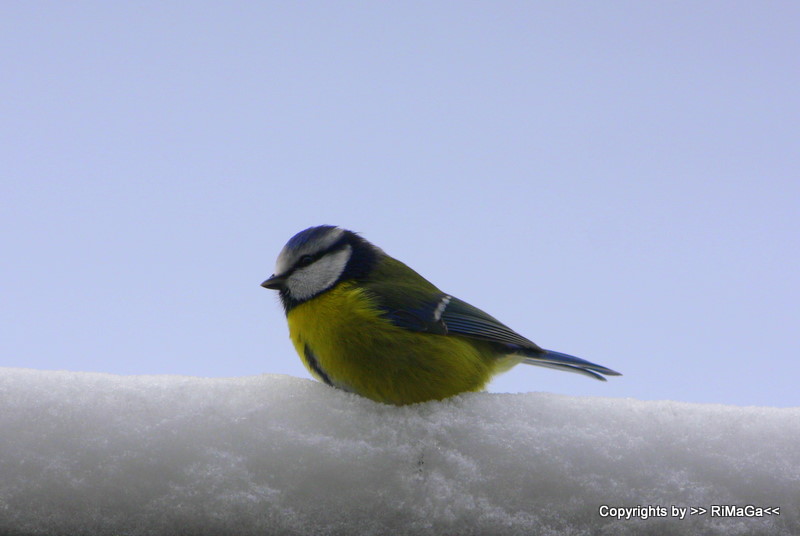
pixel 568 363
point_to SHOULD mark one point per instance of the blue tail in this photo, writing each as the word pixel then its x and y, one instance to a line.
pixel 567 363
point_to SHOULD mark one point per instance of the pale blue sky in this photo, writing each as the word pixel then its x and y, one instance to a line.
pixel 615 180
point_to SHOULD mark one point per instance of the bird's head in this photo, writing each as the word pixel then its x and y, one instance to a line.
pixel 316 260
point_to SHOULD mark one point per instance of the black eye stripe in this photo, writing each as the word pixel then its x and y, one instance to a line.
pixel 308 258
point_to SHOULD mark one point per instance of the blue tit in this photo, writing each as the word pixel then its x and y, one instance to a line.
pixel 365 322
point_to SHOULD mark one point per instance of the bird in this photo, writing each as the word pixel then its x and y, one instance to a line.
pixel 364 322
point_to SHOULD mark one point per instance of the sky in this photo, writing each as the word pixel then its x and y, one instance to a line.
pixel 616 180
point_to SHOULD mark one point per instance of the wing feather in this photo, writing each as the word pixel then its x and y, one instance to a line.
pixel 423 308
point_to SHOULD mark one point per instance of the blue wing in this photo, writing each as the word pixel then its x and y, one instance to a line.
pixel 447 315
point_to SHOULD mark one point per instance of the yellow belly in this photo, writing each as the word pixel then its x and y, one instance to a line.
pixel 359 351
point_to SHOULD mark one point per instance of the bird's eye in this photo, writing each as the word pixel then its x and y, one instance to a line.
pixel 305 260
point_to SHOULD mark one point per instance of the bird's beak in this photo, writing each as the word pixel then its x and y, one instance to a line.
pixel 275 282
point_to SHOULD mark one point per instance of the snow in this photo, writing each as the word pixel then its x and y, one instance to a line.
pixel 88 453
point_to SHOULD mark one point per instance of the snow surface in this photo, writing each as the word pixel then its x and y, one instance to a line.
pixel 85 453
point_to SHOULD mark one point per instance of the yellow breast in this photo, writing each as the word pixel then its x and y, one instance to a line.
pixel 344 341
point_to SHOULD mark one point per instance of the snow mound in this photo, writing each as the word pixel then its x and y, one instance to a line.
pixel 86 454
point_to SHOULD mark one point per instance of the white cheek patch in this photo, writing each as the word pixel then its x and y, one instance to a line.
pixel 321 275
